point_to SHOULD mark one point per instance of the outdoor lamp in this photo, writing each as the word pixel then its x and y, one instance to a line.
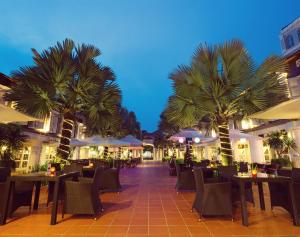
pixel 3 148
pixel 254 173
pixel 181 140
pixel 197 140
pixel 52 171
pixel 243 140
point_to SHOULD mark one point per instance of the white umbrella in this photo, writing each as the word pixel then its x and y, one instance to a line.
pixel 9 115
pixel 235 134
pixel 187 133
pixel 105 141
pixel 77 142
pixel 132 140
pixel 285 110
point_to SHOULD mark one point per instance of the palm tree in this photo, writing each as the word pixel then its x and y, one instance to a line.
pixel 281 143
pixel 12 140
pixel 222 83
pixel 66 79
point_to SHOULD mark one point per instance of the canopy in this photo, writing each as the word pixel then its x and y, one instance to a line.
pixel 9 115
pixel 186 133
pixel 77 142
pixel 132 140
pixel 104 141
pixel 286 110
pixel 235 134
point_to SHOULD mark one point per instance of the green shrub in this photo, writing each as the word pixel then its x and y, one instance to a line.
pixel 283 162
pixel 179 161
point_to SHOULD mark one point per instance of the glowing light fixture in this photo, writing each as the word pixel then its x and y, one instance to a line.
pixel 243 140
pixel 3 148
pixel 197 140
pixel 181 140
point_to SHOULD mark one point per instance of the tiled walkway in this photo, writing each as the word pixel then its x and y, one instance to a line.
pixel 149 206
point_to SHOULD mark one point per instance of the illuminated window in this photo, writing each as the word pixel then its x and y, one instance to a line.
pixel 22 159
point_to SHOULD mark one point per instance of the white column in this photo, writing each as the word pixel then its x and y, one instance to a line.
pixel 295 157
pixel 256 150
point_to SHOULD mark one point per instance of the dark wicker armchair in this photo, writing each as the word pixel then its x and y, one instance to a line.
pixel 82 196
pixel 226 173
pixel 21 194
pixel 73 167
pixel 185 179
pixel 212 199
pixel 110 180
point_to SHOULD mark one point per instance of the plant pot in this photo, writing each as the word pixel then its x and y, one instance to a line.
pixel 8 163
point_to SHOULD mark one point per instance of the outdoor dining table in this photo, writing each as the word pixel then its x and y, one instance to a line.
pixel 37 178
pixel 260 179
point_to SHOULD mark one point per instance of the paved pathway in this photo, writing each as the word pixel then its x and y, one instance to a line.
pixel 149 206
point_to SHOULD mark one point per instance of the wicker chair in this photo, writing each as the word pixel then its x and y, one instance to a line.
pixel 212 199
pixel 185 179
pixel 226 173
pixel 110 180
pixel 279 192
pixel 73 167
pixel 21 194
pixel 82 196
pixel 243 167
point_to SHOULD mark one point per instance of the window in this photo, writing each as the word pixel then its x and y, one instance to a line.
pixel 289 41
pixel 22 158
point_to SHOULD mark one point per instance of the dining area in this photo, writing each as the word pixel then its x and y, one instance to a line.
pixel 73 189
pixel 222 191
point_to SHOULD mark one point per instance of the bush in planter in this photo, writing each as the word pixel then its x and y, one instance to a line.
pixel 7 159
pixel 11 141
pixel 166 158
pixel 179 161
pixel 282 162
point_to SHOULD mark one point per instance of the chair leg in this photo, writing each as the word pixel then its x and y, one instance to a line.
pixel 200 218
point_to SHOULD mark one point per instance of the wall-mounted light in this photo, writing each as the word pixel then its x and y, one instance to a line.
pixel 243 140
pixel 181 140
pixel 197 140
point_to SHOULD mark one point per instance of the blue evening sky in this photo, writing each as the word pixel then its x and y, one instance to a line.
pixel 143 41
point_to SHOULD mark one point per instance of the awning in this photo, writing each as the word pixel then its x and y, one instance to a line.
pixel 9 115
pixel 186 133
pixel 77 142
pixel 105 141
pixel 132 140
pixel 286 110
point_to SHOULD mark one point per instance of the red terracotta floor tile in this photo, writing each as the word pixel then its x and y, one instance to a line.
pixel 149 206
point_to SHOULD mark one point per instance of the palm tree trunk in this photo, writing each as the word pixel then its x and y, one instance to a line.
pixel 226 150
pixel 105 152
pixel 63 149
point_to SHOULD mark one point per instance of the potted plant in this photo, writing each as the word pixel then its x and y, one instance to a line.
pixel 282 144
pixel 11 141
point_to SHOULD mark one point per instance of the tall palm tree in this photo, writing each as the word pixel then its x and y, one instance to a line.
pixel 221 83
pixel 66 79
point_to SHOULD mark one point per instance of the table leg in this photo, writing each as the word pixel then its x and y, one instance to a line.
pixel 294 205
pixel 36 195
pixel 243 204
pixel 55 203
pixel 6 202
pixel 261 196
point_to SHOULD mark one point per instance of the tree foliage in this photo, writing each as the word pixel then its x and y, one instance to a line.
pixel 222 82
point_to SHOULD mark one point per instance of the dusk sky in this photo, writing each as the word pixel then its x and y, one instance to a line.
pixel 142 41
